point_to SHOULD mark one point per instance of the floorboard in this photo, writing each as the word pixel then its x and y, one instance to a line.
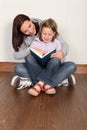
pixel 66 110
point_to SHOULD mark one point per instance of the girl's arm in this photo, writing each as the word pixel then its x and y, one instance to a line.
pixel 57 55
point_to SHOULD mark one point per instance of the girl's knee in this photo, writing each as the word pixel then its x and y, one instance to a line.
pixel 55 60
pixel 30 59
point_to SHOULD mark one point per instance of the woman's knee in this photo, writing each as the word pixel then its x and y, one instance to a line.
pixel 72 66
pixel 19 68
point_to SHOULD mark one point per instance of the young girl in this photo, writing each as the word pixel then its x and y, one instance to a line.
pixel 47 38
pixel 43 44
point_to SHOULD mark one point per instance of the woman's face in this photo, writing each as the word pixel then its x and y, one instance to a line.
pixel 47 34
pixel 28 28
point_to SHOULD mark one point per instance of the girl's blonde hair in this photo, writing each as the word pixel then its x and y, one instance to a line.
pixel 49 23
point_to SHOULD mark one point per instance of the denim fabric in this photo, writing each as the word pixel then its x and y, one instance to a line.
pixel 37 71
pixel 64 71
pixel 53 74
pixel 21 70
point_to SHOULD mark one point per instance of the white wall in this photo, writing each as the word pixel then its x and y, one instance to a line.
pixel 71 16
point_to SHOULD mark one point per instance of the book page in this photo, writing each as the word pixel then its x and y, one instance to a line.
pixel 36 52
pixel 49 52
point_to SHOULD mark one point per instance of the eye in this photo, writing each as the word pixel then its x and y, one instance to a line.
pixel 44 33
pixel 25 31
pixel 29 26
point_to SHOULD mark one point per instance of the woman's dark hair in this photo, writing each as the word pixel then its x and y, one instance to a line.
pixel 49 23
pixel 17 35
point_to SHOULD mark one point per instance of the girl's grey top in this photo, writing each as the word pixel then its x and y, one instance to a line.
pixel 24 49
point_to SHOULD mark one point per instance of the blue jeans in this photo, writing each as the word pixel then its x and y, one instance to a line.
pixel 36 70
pixel 53 74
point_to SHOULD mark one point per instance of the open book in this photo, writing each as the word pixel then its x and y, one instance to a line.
pixel 42 59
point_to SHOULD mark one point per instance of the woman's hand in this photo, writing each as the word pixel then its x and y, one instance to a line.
pixel 58 54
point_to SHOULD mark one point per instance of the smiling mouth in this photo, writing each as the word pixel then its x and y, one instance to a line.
pixel 46 39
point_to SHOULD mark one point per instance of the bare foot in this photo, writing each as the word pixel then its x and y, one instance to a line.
pixel 35 91
pixel 49 89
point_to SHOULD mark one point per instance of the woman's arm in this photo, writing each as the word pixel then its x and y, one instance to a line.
pixel 64 45
pixel 22 53
pixel 24 49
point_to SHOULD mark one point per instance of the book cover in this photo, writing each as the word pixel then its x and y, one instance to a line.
pixel 42 59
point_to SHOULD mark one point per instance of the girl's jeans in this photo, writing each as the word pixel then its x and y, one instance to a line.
pixel 53 74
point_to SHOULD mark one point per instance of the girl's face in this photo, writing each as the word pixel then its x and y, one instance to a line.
pixel 47 34
pixel 28 28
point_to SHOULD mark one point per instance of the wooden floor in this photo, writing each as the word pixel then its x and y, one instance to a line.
pixel 66 110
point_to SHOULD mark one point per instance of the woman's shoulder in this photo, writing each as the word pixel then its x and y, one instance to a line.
pixel 28 40
pixel 36 20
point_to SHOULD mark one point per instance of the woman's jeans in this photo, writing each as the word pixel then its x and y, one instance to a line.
pixel 53 74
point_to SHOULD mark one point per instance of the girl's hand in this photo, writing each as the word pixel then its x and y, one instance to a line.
pixel 58 54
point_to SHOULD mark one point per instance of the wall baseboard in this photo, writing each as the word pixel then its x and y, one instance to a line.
pixel 9 67
pixel 81 68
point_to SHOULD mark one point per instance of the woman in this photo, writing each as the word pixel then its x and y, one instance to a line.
pixel 24 32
